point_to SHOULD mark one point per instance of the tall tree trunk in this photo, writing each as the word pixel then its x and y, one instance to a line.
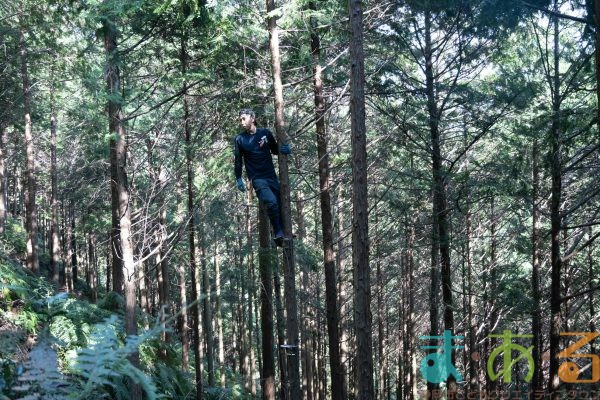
pixel 55 255
pixel 93 267
pixel 360 210
pixel 279 312
pixel 30 205
pixel 321 388
pixel 194 309
pixel 435 258
pixel 73 239
pixel 266 306
pixel 555 221
pixel 17 193
pixel 206 311
pixel 116 128
pixel 3 179
pixel 380 320
pixel 69 282
pixel 342 286
pixel 472 330
pixel 338 386
pixel 164 290
pixel 494 308
pixel 596 18
pixel 250 285
pixel 219 315
pixel 110 46
pixel 108 261
pixel 162 263
pixel 306 309
pixel 242 330
pixel 591 276
pixel 536 315
pixel 411 354
pixel 289 266
pixel 184 327
pixel 117 257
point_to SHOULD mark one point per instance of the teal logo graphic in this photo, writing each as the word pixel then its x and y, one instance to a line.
pixel 437 367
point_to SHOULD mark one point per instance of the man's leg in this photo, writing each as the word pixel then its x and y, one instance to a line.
pixel 267 191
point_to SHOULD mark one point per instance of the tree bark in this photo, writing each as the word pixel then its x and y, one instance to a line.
pixel 69 282
pixel 281 353
pixel 342 288
pixel 266 306
pixel 161 237
pixel 30 204
pixel 360 210
pixel 184 327
pixel 440 208
pixel 117 257
pixel 249 327
pixel 382 361
pixel 117 130
pixel 536 315
pixel 55 255
pixel 109 261
pixel 73 239
pixel 555 221
pixel 194 309
pixel 93 267
pixel 411 355
pixel 591 307
pixel 3 179
pixel 289 266
pixel 306 309
pixel 337 370
pixel 219 315
pixel 596 18
pixel 207 312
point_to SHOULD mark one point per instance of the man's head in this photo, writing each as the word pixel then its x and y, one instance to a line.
pixel 247 118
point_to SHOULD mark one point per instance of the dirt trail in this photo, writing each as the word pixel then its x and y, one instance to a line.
pixel 40 378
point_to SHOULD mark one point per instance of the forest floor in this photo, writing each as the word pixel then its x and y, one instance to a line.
pixel 38 376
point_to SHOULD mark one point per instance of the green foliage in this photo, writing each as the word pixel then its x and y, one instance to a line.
pixel 171 380
pixel 64 329
pixel 236 392
pixel 72 320
pixel 14 239
pixel 104 364
pixel 20 293
pixel 27 320
pixel 113 301
pixel 8 374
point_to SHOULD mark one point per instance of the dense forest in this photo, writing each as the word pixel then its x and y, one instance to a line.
pixel 441 200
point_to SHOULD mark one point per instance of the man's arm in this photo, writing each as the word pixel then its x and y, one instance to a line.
pixel 273 146
pixel 238 159
pixel 285 148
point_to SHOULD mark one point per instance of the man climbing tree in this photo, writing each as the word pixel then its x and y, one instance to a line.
pixel 256 146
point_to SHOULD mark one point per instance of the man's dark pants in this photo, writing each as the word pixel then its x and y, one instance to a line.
pixel 267 191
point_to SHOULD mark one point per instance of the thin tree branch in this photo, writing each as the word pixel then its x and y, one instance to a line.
pixel 557 14
pixel 583 246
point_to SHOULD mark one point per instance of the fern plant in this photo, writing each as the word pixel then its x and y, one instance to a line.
pixel 104 365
